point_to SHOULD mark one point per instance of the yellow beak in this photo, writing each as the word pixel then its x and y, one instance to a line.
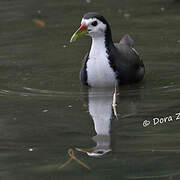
pixel 80 32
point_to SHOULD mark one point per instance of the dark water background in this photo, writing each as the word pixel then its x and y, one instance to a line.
pixel 44 108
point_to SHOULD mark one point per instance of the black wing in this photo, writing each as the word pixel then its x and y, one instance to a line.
pixel 126 62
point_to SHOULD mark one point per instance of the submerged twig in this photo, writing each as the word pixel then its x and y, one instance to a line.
pixel 114 101
pixel 72 156
pixel 81 163
pixel 65 164
pixel 39 22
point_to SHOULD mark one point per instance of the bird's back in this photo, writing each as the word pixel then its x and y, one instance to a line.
pixel 126 61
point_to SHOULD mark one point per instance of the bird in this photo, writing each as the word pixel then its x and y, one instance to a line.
pixel 107 63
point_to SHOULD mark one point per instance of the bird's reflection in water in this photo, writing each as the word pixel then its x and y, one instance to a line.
pixel 100 109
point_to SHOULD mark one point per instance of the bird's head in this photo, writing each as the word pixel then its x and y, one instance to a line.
pixel 92 24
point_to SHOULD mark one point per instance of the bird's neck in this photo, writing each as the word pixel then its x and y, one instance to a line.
pixel 98 46
pixel 108 39
pixel 101 45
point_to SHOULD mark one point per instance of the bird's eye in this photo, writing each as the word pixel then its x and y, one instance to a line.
pixel 94 23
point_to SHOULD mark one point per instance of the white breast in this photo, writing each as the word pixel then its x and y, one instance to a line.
pixel 99 72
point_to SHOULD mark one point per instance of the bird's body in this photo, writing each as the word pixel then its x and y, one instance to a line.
pixel 107 63
pixel 98 69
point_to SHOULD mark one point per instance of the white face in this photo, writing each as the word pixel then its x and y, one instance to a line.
pixel 95 27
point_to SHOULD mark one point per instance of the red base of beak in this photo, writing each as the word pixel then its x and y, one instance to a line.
pixel 82 27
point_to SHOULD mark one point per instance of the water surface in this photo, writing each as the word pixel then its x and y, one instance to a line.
pixel 45 110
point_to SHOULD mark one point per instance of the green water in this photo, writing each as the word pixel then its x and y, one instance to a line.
pixel 44 110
